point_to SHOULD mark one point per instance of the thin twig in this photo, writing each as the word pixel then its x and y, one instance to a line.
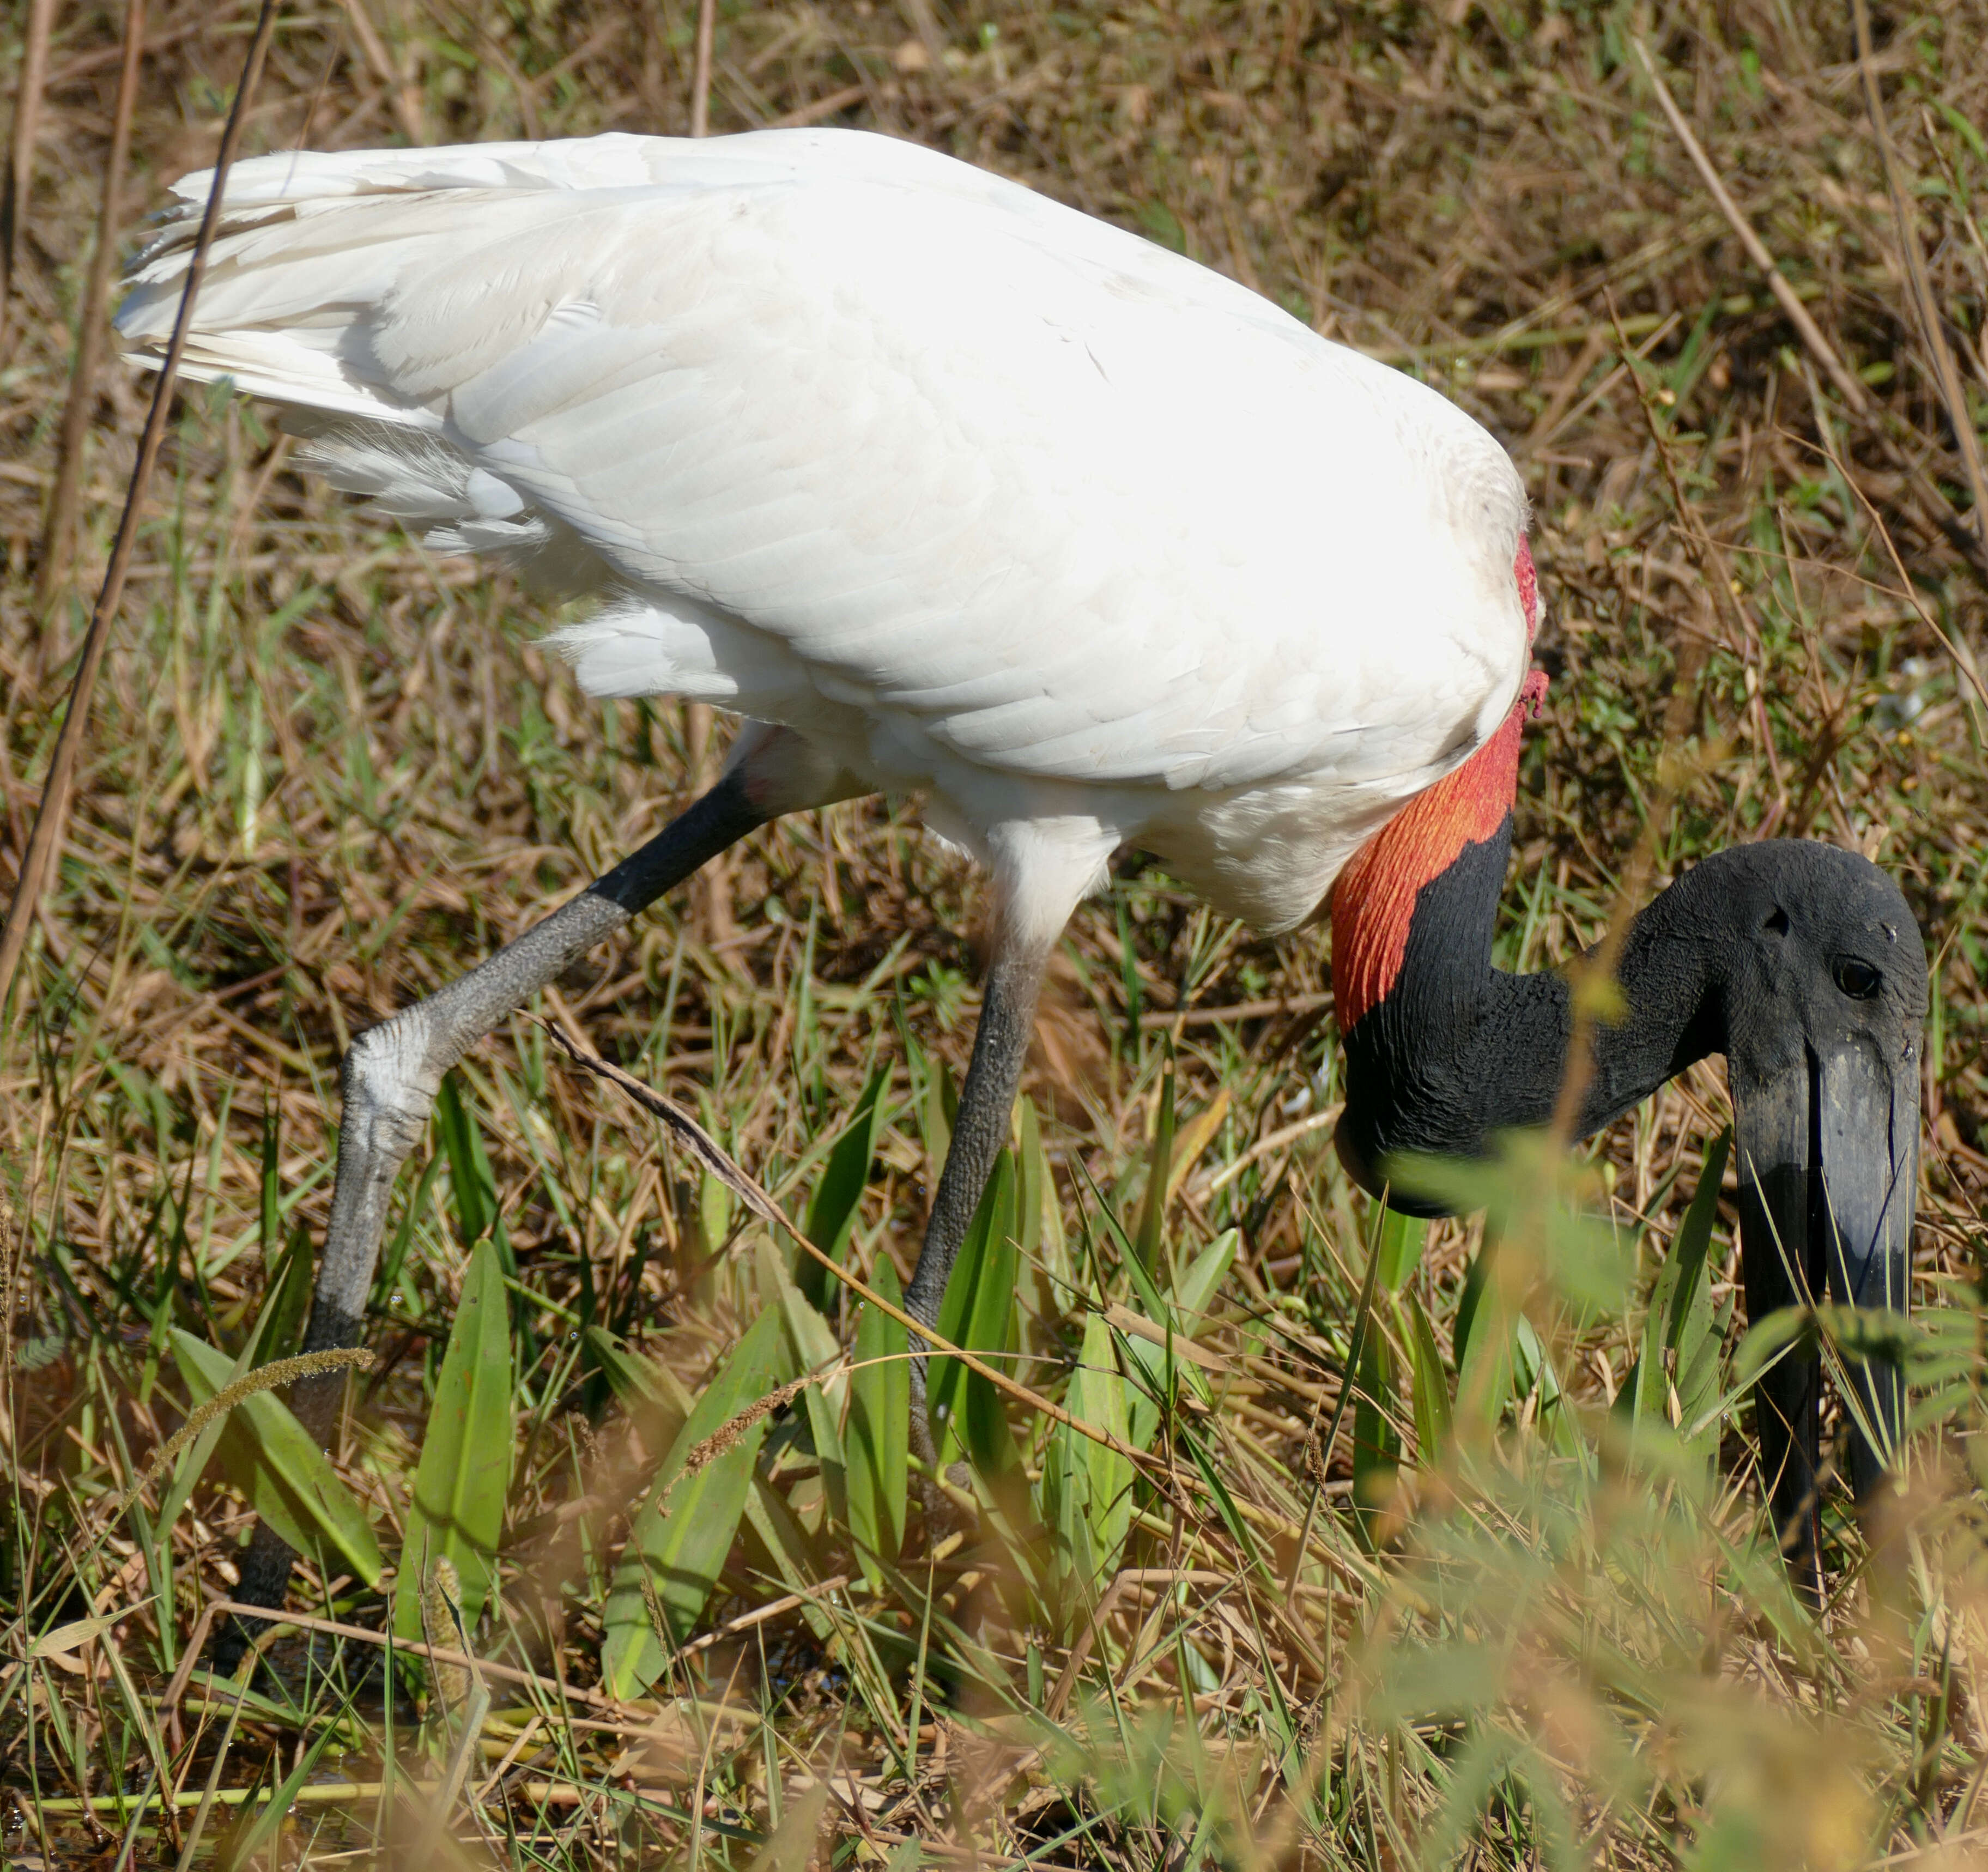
pixel 402 98
pixel 436 1654
pixel 1852 392
pixel 59 530
pixel 52 815
pixel 1952 392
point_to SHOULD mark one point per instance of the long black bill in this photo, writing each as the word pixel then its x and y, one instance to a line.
pixel 1828 1166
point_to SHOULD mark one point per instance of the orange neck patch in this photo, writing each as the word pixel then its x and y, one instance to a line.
pixel 1375 898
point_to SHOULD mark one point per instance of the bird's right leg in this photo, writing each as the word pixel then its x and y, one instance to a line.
pixel 394 1071
pixel 1041 872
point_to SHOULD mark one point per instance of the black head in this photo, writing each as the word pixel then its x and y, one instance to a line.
pixel 1823 999
pixel 1823 956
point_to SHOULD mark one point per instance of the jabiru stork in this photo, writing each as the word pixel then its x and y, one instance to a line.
pixel 946 488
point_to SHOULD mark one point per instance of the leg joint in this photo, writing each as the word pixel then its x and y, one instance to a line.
pixel 388 1076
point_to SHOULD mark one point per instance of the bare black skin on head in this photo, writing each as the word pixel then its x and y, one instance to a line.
pixel 1800 962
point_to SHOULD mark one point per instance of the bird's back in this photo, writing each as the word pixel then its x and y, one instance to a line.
pixel 862 439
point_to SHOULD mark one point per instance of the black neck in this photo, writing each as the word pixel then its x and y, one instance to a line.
pixel 1457 1051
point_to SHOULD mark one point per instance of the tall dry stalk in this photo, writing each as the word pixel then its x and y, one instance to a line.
pixel 1944 375
pixel 52 814
pixel 700 83
pixel 20 154
pixel 59 530
pixel 712 890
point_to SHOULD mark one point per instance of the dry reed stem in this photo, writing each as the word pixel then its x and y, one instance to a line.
pixel 59 531
pixel 700 83
pixel 52 814
pixel 1852 392
pixel 1932 327
pixel 21 160
pixel 402 98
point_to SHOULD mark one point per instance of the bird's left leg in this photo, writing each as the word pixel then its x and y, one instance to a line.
pixel 1041 873
pixel 394 1071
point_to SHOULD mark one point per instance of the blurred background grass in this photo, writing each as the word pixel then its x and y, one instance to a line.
pixel 327 771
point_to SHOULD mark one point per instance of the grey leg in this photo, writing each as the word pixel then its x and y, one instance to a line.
pixel 394 1071
pixel 986 1101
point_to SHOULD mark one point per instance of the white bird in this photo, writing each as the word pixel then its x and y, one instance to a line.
pixel 946 489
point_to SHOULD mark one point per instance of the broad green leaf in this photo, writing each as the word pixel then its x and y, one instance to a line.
pixel 1540 1201
pixel 289 1287
pixel 279 1327
pixel 832 1214
pixel 464 1475
pixel 813 1347
pixel 879 1429
pixel 977 1312
pixel 685 1531
pixel 1400 1248
pixel 1534 1375
pixel 1690 1335
pixel 1377 1444
pixel 938 1105
pixel 287 1479
pixel 1484 1322
pixel 1196 1288
pixel 768 1519
pixel 1434 1424
pixel 1045 1254
pixel 1087 1487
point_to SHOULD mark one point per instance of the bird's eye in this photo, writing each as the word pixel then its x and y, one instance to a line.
pixel 1858 980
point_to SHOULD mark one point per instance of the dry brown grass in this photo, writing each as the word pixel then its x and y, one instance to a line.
pixel 326 771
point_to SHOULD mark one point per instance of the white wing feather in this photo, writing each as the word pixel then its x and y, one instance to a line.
pixel 870 442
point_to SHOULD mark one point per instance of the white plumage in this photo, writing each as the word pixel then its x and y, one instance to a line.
pixel 976 494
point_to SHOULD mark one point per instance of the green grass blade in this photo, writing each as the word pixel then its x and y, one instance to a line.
pixel 879 1429
pixel 472 1191
pixel 832 1212
pixel 1153 1211
pixel 465 1475
pixel 1376 1445
pixel 1435 1419
pixel 245 1841
pixel 1402 1239
pixel 977 1312
pixel 1196 1288
pixel 1690 1330
pixel 289 1289
pixel 1088 1488
pixel 1484 1362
